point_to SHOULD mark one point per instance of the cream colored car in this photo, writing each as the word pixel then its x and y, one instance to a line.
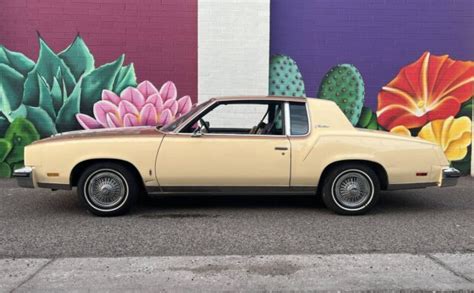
pixel 259 145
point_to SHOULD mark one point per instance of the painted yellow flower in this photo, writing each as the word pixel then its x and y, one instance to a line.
pixel 453 135
pixel 401 130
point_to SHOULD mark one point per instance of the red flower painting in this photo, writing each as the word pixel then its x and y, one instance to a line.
pixel 433 87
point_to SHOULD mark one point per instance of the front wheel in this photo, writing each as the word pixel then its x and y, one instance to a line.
pixel 351 189
pixel 108 189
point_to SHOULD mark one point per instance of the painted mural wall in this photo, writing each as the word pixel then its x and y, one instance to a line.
pixel 401 67
pixel 94 64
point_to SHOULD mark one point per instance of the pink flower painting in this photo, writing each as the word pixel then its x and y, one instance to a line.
pixel 140 106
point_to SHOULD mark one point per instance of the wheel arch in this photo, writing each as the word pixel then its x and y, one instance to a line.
pixel 376 167
pixel 83 165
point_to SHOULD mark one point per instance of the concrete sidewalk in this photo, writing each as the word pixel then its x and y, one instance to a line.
pixel 217 273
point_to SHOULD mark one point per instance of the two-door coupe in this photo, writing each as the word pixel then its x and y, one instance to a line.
pixel 259 145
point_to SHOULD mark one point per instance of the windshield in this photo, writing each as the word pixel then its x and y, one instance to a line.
pixel 173 125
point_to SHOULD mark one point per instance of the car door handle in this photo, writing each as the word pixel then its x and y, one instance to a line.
pixel 281 148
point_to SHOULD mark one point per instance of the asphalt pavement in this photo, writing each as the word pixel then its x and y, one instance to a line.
pixel 45 224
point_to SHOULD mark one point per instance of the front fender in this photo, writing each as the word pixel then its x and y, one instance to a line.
pixel 58 159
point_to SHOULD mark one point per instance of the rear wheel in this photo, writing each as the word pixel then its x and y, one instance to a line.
pixel 351 189
pixel 108 189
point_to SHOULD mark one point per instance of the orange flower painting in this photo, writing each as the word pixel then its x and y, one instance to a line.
pixel 433 87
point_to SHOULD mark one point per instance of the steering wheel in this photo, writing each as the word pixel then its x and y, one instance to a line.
pixel 203 123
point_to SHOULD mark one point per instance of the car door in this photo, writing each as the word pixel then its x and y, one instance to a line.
pixel 232 152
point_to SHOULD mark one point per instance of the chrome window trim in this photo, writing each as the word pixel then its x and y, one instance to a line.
pixel 288 128
pixel 287 119
pixel 180 127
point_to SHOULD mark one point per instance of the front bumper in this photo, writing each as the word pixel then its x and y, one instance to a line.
pixel 24 177
pixel 450 177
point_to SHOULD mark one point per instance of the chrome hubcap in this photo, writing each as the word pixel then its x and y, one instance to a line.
pixel 352 189
pixel 106 189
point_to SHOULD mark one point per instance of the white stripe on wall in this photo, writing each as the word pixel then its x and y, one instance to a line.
pixel 233 47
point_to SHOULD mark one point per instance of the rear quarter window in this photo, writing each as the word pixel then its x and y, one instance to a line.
pixel 298 119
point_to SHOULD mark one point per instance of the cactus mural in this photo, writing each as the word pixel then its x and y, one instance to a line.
pixel 65 91
pixel 399 97
pixel 285 77
pixel 368 120
pixel 50 92
pixel 344 85
pixel 20 133
pixel 464 164
pixel 442 115
pixel 39 99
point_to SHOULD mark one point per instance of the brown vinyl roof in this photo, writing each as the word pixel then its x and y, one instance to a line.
pixel 254 98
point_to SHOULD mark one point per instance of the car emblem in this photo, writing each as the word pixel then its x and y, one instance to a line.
pixel 322 126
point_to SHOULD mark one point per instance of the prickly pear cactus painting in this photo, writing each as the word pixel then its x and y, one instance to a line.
pixel 285 77
pixel 368 120
pixel 344 85
pixel 42 98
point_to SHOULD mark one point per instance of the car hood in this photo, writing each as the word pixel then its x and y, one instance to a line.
pixel 103 133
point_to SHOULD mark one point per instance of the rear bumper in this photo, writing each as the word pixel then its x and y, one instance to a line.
pixel 450 177
pixel 24 177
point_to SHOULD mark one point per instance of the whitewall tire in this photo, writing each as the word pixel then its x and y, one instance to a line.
pixel 350 189
pixel 108 189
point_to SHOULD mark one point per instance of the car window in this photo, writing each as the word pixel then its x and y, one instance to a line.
pixel 174 124
pixel 237 115
pixel 298 119
pixel 253 118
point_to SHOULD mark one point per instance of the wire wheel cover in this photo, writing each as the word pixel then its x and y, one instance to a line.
pixel 106 189
pixel 352 189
